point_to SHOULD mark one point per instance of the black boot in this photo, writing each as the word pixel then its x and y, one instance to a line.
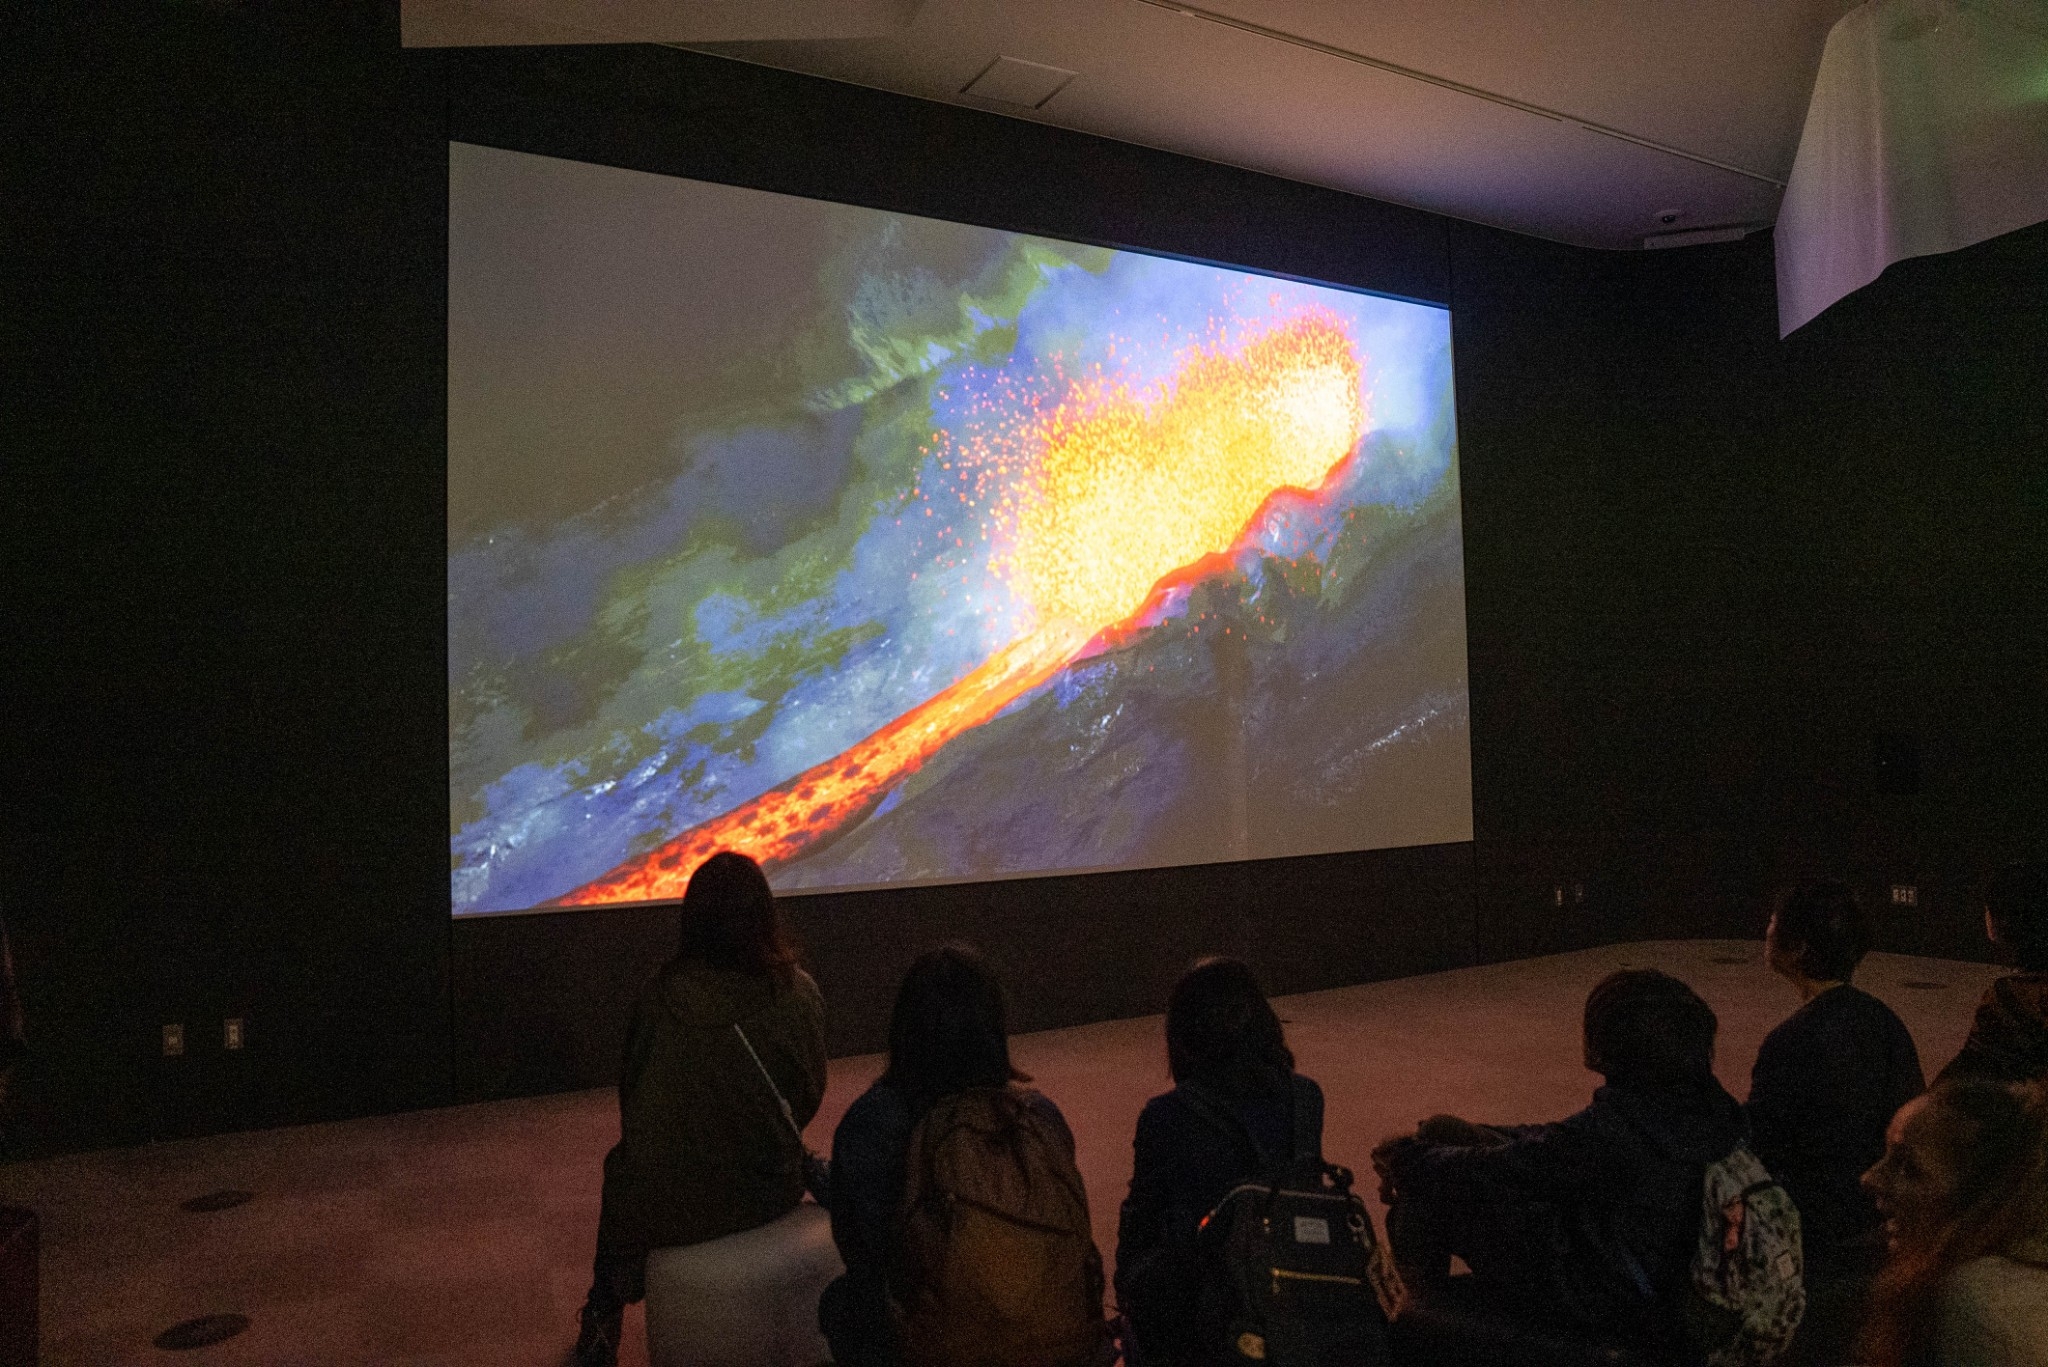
pixel 597 1343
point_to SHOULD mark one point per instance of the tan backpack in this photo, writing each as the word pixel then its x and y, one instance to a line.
pixel 999 1266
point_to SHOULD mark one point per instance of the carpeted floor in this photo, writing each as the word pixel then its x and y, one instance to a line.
pixel 463 1235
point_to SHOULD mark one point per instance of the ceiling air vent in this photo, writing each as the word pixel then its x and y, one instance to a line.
pixel 1009 80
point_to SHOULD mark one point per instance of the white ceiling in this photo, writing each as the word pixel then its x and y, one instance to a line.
pixel 1579 120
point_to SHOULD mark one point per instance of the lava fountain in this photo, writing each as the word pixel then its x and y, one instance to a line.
pixel 1125 490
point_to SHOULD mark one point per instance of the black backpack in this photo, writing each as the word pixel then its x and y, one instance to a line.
pixel 1292 1273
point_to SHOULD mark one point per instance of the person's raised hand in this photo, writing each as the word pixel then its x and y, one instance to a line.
pixel 1386 1155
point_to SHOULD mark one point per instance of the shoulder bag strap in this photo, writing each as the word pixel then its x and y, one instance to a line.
pixel 788 1116
pixel 1308 1122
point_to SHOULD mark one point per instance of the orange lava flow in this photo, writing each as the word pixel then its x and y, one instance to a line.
pixel 1128 489
pixel 827 799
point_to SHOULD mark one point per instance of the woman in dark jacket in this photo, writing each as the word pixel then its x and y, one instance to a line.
pixel 1229 1116
pixel 704 1150
pixel 948 1033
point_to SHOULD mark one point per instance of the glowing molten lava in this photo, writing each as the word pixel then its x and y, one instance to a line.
pixel 1126 490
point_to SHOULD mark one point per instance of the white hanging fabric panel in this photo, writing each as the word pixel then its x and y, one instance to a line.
pixel 1928 131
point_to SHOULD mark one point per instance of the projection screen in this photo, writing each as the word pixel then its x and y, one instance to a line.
pixel 890 550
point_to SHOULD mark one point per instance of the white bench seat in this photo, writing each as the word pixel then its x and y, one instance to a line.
pixel 747 1300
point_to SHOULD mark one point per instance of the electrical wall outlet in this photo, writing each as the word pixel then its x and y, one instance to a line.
pixel 174 1041
pixel 231 1033
pixel 1905 895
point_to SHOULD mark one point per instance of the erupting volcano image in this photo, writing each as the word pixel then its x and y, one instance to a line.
pixel 887 550
pixel 1125 493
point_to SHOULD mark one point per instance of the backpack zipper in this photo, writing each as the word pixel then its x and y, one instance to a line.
pixel 1291 1275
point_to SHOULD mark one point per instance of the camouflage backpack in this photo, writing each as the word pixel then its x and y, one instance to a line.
pixel 1748 1292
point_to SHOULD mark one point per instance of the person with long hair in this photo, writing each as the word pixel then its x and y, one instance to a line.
pixel 948 1034
pixel 1828 1080
pixel 704 1149
pixel 1232 1100
pixel 1963 1186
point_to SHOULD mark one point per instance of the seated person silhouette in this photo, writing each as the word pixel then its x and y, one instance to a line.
pixel 1588 1223
pixel 704 1150
pixel 949 1067
pixel 1234 1087
pixel 2009 1039
pixel 1829 1079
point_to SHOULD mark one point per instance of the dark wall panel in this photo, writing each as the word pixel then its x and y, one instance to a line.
pixel 1718 582
pixel 541 1001
pixel 221 523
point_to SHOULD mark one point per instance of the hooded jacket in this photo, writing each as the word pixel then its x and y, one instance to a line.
pixel 703 1149
pixel 2009 1039
pixel 1620 1182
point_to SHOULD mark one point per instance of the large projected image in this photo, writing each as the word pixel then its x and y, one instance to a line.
pixel 889 550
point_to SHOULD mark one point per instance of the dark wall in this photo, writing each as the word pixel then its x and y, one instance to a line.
pixel 1713 578
pixel 1743 609
pixel 220 519
pixel 1081 948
